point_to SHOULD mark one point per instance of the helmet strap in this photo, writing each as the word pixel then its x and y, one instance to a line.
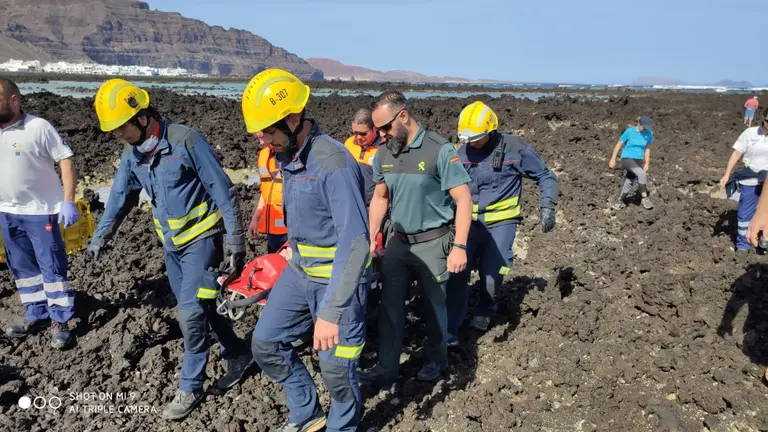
pixel 293 137
pixel 148 112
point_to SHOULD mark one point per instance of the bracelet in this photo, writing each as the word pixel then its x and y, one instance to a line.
pixel 460 246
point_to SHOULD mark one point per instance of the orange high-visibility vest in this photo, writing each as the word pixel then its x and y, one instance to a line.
pixel 362 156
pixel 272 221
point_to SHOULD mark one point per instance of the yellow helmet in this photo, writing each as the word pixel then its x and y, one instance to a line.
pixel 476 121
pixel 117 101
pixel 271 96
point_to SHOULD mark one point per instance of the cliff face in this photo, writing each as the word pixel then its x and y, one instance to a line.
pixel 127 32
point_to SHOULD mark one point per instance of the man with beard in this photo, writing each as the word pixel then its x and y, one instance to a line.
pixel 190 195
pixel 30 198
pixel 326 282
pixel 420 172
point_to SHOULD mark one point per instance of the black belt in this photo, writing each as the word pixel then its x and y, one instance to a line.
pixel 424 236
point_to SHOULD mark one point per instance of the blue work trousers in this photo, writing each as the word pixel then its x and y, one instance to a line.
pixel 290 311
pixel 37 257
pixel 747 205
pixel 188 270
pixel 493 248
pixel 275 241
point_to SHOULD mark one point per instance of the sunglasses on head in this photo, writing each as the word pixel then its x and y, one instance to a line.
pixel 387 126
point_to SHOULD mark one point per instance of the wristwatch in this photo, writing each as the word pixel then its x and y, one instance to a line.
pixel 460 246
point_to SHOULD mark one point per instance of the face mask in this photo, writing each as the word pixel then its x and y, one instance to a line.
pixel 148 145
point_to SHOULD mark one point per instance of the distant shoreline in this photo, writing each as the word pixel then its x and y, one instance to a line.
pixel 337 84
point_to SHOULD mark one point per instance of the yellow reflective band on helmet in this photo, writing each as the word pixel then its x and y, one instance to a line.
pixel 207 293
pixel 349 352
pixel 316 251
pixel 194 213
pixel 197 229
pixel 504 270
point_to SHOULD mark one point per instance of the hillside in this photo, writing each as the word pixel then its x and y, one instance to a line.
pixel 128 32
pixel 335 69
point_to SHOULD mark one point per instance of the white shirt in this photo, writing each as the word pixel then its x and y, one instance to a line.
pixel 29 184
pixel 753 142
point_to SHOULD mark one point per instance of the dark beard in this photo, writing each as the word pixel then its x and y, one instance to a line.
pixel 397 142
pixel 6 116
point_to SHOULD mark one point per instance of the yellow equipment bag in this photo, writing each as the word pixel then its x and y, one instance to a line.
pixel 76 236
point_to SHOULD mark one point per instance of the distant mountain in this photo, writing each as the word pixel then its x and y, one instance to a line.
pixel 730 83
pixel 333 69
pixel 657 80
pixel 127 32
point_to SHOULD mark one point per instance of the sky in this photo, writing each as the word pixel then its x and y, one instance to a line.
pixel 586 41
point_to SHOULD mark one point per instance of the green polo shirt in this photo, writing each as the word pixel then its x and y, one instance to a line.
pixel 419 179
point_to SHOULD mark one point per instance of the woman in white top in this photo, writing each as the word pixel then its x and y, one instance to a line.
pixel 752 147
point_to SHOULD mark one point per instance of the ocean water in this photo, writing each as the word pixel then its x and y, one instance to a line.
pixel 234 90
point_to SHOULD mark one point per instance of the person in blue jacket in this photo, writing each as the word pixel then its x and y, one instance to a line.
pixel 191 196
pixel 327 280
pixel 496 163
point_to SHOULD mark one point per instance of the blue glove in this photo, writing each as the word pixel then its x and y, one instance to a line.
pixel 68 214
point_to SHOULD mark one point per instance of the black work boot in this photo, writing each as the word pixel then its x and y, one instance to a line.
pixel 313 424
pixel 236 371
pixel 61 336
pixel 183 404
pixel 25 328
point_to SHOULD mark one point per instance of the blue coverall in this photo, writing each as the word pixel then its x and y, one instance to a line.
pixel 190 194
pixel 496 195
pixel 328 277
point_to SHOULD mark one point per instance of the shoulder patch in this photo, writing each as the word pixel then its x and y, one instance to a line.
pixel 514 143
pixel 330 154
pixel 437 138
pixel 183 135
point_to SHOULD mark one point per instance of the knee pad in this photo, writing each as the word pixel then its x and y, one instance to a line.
pixel 338 381
pixel 194 328
pixel 270 359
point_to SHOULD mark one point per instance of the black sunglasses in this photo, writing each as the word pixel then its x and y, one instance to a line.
pixel 387 126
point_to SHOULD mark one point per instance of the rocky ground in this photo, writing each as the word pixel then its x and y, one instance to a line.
pixel 619 320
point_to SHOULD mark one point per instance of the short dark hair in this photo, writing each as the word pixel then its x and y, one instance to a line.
pixel 395 99
pixel 9 87
pixel 363 116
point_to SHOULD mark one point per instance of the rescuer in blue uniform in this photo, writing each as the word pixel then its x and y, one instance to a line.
pixel 328 275
pixel 191 195
pixel 497 163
